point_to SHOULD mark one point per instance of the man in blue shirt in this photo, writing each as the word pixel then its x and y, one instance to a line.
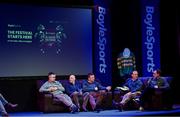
pixel 74 90
pixel 133 87
pixel 96 91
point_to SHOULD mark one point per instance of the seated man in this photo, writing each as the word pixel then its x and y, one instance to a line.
pixel 74 90
pixel 3 102
pixel 56 89
pixel 154 83
pixel 133 86
pixel 96 91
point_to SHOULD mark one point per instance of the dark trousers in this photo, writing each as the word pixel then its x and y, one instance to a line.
pixel 76 98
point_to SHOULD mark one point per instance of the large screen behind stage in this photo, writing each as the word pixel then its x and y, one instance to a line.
pixel 35 40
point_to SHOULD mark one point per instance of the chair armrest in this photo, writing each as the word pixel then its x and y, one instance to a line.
pixel 45 97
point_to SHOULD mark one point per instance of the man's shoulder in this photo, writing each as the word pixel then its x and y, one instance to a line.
pixel 129 79
pixel 84 81
pixel 162 78
pixel 138 80
pixel 57 82
pixel 46 82
pixel 97 82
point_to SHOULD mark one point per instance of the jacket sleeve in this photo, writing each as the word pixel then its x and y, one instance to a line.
pixel 67 89
pixel 100 87
pixel 59 86
pixel 44 88
pixel 165 84
pixel 79 85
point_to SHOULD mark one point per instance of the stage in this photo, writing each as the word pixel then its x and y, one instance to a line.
pixel 114 113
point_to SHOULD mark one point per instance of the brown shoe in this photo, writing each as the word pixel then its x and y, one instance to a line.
pixel 84 108
pixel 12 105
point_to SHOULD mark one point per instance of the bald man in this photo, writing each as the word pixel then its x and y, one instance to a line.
pixel 74 90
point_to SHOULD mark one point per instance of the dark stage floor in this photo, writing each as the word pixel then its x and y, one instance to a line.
pixel 113 113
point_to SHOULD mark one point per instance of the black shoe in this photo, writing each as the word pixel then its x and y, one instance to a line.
pixel 74 109
pixel 98 110
pixel 115 104
pixel 5 115
pixel 78 110
pixel 120 107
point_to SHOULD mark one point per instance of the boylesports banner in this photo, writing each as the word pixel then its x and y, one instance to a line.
pixel 102 41
pixel 150 36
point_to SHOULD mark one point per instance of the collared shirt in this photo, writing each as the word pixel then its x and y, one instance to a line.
pixel 134 85
pixel 87 87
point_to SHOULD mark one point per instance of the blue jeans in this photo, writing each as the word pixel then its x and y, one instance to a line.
pixel 3 102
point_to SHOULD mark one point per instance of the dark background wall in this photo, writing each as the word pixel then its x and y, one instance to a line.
pixel 170 57
pixel 126 32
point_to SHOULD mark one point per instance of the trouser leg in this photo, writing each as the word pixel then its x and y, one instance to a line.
pixel 99 97
pixel 92 100
pixel 126 98
pixel 85 99
pixel 75 97
pixel 3 100
pixel 2 109
pixel 65 99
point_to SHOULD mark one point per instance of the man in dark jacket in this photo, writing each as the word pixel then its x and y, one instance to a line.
pixel 74 90
pixel 155 83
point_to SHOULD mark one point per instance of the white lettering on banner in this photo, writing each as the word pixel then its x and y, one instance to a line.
pixel 102 39
pixel 149 38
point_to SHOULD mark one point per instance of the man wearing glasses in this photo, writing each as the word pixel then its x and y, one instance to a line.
pixel 155 83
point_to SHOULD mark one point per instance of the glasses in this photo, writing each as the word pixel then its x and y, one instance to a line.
pixel 135 74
